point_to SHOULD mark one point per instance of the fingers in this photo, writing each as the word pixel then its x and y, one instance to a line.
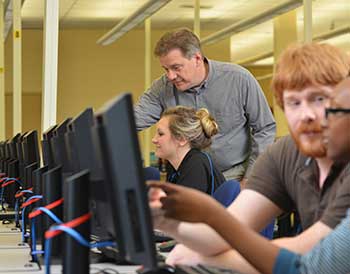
pixel 155 194
pixel 166 187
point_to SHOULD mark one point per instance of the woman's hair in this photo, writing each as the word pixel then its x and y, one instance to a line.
pixel 196 126
pixel 303 65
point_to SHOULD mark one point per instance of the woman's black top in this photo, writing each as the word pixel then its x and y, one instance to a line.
pixel 194 171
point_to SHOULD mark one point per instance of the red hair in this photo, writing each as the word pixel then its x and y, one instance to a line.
pixel 312 64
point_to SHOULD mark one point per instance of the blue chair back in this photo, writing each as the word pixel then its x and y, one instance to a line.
pixel 151 173
pixel 267 232
pixel 227 192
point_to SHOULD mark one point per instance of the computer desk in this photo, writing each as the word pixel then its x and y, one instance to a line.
pixel 9 228
pixel 15 258
pixel 12 241
pixel 6 215
pixel 18 261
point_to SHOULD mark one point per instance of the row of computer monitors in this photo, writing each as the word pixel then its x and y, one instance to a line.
pixel 105 144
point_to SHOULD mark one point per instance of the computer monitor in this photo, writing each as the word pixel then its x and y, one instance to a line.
pixel 121 159
pixel 31 158
pixel 13 146
pixel 30 148
pixel 81 155
pixel 102 226
pixel 12 171
pixel 2 154
pixel 58 146
pixel 48 158
pixel 79 145
pixel 20 156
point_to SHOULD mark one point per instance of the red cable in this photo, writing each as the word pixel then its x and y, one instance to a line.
pixel 21 193
pixel 32 201
pixel 8 183
pixel 49 206
pixel 73 223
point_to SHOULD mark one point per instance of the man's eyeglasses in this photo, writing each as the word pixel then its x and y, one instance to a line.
pixel 336 110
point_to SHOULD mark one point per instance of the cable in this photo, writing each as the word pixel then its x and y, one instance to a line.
pixel 23 215
pixel 50 214
pixel 21 192
pixel 17 201
pixel 73 233
pixel 53 217
pixel 5 182
pixel 2 198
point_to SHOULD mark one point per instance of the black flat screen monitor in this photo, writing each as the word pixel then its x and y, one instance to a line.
pixel 13 146
pixel 5 156
pixel 125 185
pixel 58 146
pixel 30 148
pixel 82 156
pixel 48 159
pixel 2 155
pixel 79 144
pixel 20 156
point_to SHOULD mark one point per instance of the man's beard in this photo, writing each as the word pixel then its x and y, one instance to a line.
pixel 312 146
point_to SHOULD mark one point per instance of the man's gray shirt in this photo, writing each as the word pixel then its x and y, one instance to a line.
pixel 233 97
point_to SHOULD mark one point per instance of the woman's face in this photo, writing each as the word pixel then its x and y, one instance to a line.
pixel 166 144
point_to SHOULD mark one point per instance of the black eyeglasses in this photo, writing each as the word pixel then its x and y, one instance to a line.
pixel 336 110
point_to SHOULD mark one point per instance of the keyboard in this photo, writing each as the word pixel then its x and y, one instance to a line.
pixel 185 269
pixel 166 246
pixel 203 269
pixel 160 237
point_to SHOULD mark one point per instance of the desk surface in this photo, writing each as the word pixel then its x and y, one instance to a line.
pixel 15 258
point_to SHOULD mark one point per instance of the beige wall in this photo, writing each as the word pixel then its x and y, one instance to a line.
pixel 31 81
pixel 88 74
pixel 31 113
pixel 259 71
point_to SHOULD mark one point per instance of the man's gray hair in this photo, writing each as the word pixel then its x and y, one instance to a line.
pixel 183 39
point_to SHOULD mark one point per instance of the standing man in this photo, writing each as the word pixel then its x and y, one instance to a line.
pixel 230 93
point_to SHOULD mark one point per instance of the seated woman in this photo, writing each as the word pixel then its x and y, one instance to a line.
pixel 181 134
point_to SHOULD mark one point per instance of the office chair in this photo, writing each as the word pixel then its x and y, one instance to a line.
pixel 151 173
pixel 227 192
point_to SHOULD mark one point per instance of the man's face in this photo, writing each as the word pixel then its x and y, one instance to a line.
pixel 304 110
pixel 337 124
pixel 182 72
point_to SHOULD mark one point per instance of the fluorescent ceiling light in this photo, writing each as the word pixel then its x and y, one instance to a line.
pixel 320 37
pixel 132 21
pixel 250 22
